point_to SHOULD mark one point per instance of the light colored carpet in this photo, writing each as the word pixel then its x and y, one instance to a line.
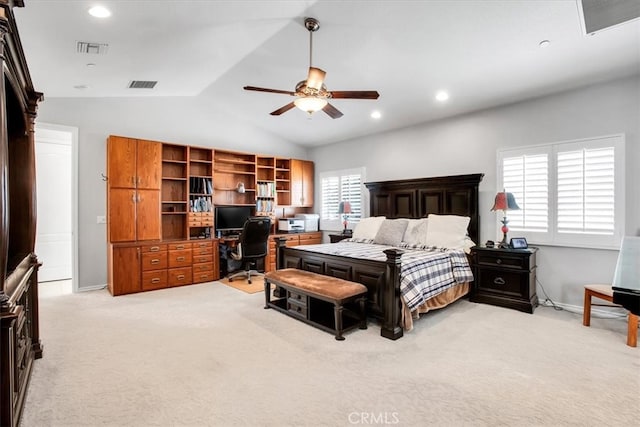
pixel 256 285
pixel 207 355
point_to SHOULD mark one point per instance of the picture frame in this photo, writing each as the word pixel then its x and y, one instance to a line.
pixel 518 243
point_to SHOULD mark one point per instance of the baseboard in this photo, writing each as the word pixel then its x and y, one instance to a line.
pixel 92 288
pixel 604 313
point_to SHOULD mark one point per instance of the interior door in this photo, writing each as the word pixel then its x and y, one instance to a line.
pixel 54 230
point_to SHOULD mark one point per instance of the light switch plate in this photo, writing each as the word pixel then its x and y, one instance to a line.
pixel 101 219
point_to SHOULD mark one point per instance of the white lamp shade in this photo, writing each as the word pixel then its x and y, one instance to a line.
pixel 310 104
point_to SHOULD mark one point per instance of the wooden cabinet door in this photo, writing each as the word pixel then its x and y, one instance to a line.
pixel 126 270
pixel 121 162
pixel 301 180
pixel 122 215
pixel 149 165
pixel 147 215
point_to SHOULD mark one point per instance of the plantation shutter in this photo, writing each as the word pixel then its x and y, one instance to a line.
pixel 351 188
pixel 330 198
pixel 586 191
pixel 527 177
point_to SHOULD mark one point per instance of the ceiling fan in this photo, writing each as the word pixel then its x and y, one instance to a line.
pixel 312 94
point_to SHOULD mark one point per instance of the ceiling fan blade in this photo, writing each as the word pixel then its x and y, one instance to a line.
pixel 315 79
pixel 284 109
pixel 262 89
pixel 355 94
pixel 332 111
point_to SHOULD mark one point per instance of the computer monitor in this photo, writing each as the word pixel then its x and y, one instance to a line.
pixel 230 219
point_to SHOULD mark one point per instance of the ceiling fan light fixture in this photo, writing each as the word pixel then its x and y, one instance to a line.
pixel 310 104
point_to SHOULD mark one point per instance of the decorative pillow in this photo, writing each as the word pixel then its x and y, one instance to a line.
pixel 367 228
pixel 391 232
pixel 416 232
pixel 447 231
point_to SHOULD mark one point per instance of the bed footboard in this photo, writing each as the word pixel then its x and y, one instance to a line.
pixel 382 280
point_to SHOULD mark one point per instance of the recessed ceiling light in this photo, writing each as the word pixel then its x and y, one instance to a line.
pixel 91 65
pixel 99 12
pixel 376 114
pixel 442 96
pixel 81 87
pixel 544 43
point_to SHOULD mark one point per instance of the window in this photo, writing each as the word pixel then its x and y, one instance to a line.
pixel 569 193
pixel 338 186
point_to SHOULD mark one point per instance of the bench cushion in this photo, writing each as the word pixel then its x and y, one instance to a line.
pixel 330 287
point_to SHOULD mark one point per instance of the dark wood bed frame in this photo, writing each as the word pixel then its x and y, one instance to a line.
pixel 408 198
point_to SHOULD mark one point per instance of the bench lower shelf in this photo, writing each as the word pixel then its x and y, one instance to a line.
pixel 317 313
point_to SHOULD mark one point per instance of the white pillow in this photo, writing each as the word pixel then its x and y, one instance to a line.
pixel 367 228
pixel 416 232
pixel 447 231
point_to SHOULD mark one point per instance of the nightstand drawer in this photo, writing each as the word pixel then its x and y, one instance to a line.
pixel 504 259
pixel 503 282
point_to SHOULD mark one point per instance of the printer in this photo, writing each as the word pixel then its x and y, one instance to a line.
pixel 291 225
pixel 310 221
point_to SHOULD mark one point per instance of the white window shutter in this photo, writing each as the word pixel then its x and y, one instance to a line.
pixel 527 177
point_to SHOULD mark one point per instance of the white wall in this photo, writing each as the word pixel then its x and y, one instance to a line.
pixel 468 144
pixel 188 121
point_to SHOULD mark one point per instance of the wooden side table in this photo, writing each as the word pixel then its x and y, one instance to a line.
pixel 335 238
pixel 505 277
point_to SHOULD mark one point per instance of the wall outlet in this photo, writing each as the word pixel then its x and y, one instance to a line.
pixel 101 219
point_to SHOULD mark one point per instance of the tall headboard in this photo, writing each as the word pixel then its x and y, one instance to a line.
pixel 417 198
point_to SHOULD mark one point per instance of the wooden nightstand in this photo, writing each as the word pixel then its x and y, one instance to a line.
pixel 505 277
pixel 335 238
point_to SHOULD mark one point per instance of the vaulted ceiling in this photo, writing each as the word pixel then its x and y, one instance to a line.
pixel 483 53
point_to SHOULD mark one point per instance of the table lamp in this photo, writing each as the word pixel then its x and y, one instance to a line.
pixel 344 208
pixel 504 202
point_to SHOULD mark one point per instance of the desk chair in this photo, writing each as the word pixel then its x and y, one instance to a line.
pixel 252 245
pixel 626 277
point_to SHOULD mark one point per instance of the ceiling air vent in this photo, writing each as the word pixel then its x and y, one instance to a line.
pixel 92 48
pixel 142 84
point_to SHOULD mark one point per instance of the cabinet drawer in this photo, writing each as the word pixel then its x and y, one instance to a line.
pixel 180 276
pixel 179 246
pixel 202 276
pixel 504 282
pixel 198 259
pixel 153 248
pixel 202 251
pixel 503 260
pixel 202 267
pixel 154 260
pixel 204 244
pixel 154 280
pixel 180 258
pixel 297 309
pixel 310 239
pixel 297 298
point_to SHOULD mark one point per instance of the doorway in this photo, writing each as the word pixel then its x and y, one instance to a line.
pixel 56 177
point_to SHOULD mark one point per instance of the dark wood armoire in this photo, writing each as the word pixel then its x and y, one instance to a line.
pixel 19 338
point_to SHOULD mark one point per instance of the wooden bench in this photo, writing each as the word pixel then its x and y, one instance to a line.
pixel 322 301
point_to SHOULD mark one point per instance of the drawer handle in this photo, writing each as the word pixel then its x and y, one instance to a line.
pixel 155 261
pixel 298 309
pixel 180 258
pixel 499 281
pixel 181 277
pixel 180 247
pixel 299 296
pixel 155 280
pixel 204 276
pixel 154 248
pixel 498 261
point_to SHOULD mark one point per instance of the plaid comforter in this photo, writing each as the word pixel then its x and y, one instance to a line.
pixel 424 271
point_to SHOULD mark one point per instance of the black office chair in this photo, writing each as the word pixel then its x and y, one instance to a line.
pixel 252 245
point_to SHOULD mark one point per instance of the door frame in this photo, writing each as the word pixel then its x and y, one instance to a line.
pixel 74 194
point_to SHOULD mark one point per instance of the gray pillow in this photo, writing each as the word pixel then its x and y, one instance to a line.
pixel 391 232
